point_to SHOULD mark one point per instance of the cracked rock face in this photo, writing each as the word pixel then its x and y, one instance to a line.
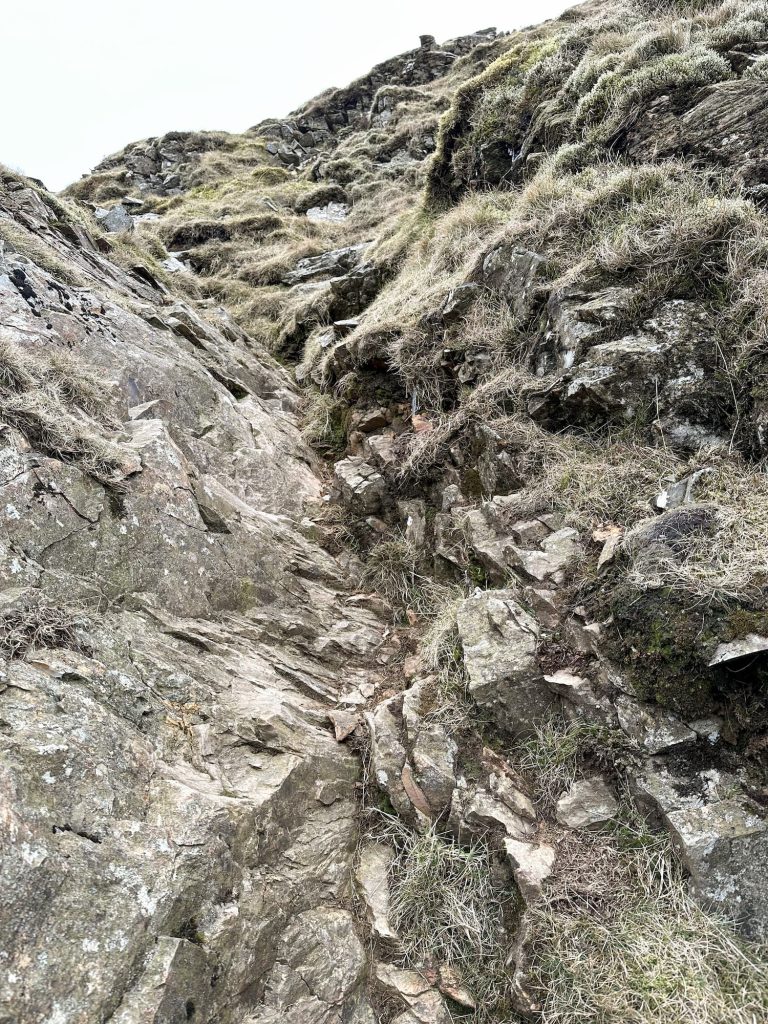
pixel 176 810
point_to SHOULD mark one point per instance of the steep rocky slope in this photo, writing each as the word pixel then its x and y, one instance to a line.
pixel 384 540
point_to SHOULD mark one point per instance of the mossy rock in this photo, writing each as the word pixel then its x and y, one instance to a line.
pixel 666 639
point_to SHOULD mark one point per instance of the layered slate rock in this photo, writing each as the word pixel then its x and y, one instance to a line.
pixel 178 815
pixel 665 370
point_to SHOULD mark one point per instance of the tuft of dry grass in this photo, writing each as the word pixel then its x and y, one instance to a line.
pixel 553 756
pixel 620 940
pixel 23 630
pixel 727 561
pixel 52 402
pixel 325 421
pixel 449 912
pixel 391 568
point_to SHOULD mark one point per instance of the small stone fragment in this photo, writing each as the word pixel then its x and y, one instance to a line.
pixel 588 804
pixel 532 864
pixel 344 724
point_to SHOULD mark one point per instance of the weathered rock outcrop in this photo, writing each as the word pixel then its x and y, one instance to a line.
pixel 179 823
pixel 405 695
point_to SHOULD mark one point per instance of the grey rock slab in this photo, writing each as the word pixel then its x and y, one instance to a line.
pixel 421 1001
pixel 721 836
pixel 652 728
pixel 478 812
pixel 372 876
pixel 388 753
pixel 333 263
pixel 751 644
pixel 433 752
pixel 433 757
pixel 334 213
pixel 177 803
pixel 360 483
pixel 511 795
pixel 576 690
pixel 175 985
pixel 514 274
pixel 115 220
pixel 558 551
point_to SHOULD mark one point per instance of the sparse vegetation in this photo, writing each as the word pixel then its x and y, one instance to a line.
pixel 619 938
pixel 325 422
pixel 448 911
pixel 392 570
pixel 553 757
pixel 51 402
pixel 27 629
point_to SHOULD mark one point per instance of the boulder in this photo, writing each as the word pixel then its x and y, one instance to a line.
pixel 334 263
pixel 476 811
pixel 721 836
pixel 515 274
pixel 500 643
pixel 115 219
pixel 668 365
pixel 422 1002
pixel 360 484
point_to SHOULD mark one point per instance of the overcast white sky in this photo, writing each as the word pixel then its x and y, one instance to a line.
pixel 85 77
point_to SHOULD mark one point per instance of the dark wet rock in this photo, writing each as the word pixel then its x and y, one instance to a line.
pixel 576 320
pixel 665 373
pixel 515 275
pixel 722 127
